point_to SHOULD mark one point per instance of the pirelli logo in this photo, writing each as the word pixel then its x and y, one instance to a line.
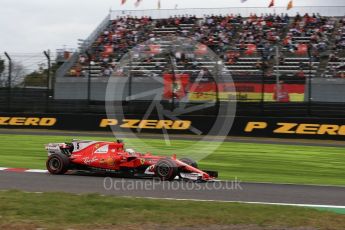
pixel 296 128
pixel 146 124
pixel 27 121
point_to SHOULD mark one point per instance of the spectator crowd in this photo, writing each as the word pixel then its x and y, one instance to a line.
pixel 231 37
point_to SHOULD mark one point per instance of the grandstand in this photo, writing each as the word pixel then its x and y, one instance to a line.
pixel 296 59
pixel 299 49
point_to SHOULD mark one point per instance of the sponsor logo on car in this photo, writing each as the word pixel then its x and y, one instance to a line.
pixel 88 160
pixel 103 149
pixel 110 162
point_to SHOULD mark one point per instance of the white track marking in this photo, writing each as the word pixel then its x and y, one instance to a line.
pixel 249 202
pixel 271 183
pixel 218 201
pixel 25 171
pixel 36 171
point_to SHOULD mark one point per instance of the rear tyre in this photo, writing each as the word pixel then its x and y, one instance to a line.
pixel 166 169
pixel 57 164
pixel 190 162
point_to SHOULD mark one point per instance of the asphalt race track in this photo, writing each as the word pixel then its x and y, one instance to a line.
pixel 304 195
pixel 219 191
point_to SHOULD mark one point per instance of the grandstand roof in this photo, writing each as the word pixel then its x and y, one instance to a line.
pixel 332 11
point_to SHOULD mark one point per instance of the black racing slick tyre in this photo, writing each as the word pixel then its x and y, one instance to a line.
pixel 166 169
pixel 57 164
pixel 190 162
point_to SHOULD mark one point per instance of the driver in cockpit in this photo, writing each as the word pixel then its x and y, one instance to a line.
pixel 131 152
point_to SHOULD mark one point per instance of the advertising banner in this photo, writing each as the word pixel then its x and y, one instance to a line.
pixel 248 92
pixel 315 128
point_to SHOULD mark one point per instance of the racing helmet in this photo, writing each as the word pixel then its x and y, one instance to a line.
pixel 130 151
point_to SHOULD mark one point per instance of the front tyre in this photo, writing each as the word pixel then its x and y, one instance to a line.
pixel 166 169
pixel 57 164
pixel 190 162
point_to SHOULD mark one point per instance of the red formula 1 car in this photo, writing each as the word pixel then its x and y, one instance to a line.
pixel 112 157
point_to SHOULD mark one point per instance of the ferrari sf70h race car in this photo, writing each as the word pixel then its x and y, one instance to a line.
pixel 113 158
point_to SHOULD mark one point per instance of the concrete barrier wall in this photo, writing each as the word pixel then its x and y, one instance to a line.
pixel 323 90
pixel 328 90
pixel 76 89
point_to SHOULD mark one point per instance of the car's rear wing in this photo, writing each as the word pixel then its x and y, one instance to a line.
pixel 54 148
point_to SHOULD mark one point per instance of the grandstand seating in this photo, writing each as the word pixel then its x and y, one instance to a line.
pixel 308 45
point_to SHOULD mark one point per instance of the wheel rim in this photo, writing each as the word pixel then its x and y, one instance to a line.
pixel 163 170
pixel 54 164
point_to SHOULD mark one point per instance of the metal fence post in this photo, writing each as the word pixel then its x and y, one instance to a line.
pixel 216 81
pixel 89 78
pixel 9 81
pixel 47 54
pixel 278 91
pixel 263 70
pixel 309 81
pixel 173 63
pixel 130 77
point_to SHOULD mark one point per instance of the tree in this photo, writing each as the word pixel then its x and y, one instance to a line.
pixel 18 74
pixel 38 78
pixel 2 69
pixel 2 66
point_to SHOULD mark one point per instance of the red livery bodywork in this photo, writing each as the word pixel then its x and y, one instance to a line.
pixel 113 157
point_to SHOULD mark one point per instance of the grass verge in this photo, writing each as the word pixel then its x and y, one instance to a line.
pixel 62 211
pixel 254 162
